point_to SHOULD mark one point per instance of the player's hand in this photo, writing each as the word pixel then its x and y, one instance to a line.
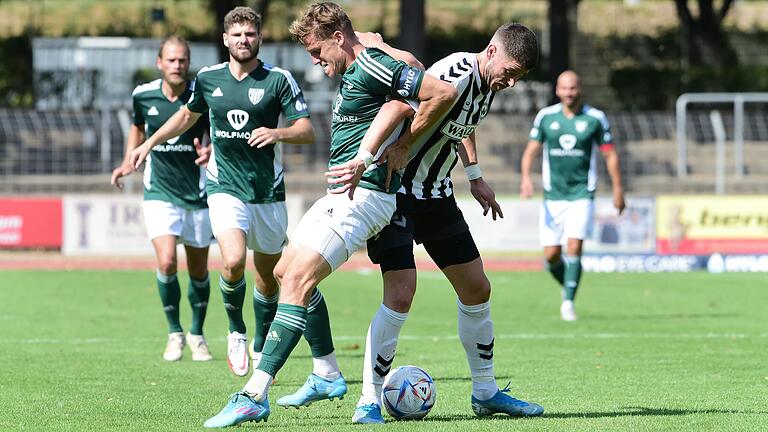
pixel 486 197
pixel 262 137
pixel 347 175
pixel 139 155
pixel 526 188
pixel 122 170
pixel 396 157
pixel 203 153
pixel 618 200
pixel 369 39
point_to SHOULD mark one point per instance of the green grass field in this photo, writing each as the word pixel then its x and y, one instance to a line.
pixel 81 350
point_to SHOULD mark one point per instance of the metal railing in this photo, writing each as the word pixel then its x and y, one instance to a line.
pixel 738 100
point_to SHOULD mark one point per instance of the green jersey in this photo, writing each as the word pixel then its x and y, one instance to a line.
pixel 569 170
pixel 370 81
pixel 170 173
pixel 235 109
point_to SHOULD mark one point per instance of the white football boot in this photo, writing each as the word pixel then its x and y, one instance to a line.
pixel 568 311
pixel 174 347
pixel 199 348
pixel 237 353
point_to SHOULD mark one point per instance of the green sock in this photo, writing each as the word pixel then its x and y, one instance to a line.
pixel 557 270
pixel 264 308
pixel 198 294
pixel 284 334
pixel 572 276
pixel 170 295
pixel 318 330
pixel 233 294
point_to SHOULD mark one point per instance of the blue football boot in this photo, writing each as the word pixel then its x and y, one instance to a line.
pixel 503 403
pixel 367 414
pixel 315 389
pixel 241 408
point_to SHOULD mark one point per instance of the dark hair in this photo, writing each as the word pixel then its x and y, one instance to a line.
pixel 242 15
pixel 321 20
pixel 519 43
pixel 173 40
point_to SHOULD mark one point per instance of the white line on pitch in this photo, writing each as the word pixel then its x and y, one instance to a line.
pixel 361 337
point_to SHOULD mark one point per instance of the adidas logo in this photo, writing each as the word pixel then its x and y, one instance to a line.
pixel 273 336
pixel 217 92
pixel 329 212
pixel 153 112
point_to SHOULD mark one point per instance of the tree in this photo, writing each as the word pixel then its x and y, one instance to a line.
pixel 704 40
pixel 559 37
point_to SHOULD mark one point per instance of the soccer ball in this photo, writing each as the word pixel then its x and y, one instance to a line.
pixel 408 393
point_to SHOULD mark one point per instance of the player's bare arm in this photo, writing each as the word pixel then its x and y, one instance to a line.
pixel 526 185
pixel 612 164
pixel 374 40
pixel 135 137
pixel 299 132
pixel 175 126
pixel 477 185
pixel 383 125
pixel 436 98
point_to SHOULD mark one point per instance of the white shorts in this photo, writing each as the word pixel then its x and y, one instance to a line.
pixel 264 225
pixel 336 226
pixel 191 227
pixel 561 220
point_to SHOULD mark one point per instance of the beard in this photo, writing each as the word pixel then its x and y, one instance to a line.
pixel 253 52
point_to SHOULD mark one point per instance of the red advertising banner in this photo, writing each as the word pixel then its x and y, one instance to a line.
pixel 30 223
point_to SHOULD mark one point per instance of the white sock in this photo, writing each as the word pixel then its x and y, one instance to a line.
pixel 476 334
pixel 326 367
pixel 258 385
pixel 380 345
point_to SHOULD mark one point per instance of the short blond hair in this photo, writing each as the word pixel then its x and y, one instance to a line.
pixel 321 20
pixel 173 40
pixel 242 15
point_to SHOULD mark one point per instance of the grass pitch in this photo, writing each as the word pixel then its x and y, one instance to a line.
pixel 81 350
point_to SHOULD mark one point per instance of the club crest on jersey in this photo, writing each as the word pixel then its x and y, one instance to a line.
pixel 255 95
pixel 237 118
pixel 567 141
pixel 580 126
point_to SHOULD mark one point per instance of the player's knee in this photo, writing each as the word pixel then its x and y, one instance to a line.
pixel 399 296
pixel 278 273
pixel 166 264
pixel 477 290
pixel 233 264
pixel 295 287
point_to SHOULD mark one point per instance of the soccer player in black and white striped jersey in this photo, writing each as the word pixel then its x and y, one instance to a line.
pixel 427 213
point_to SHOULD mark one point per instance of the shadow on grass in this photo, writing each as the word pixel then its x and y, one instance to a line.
pixel 646 411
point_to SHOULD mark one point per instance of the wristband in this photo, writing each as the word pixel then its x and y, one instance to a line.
pixel 365 156
pixel 473 172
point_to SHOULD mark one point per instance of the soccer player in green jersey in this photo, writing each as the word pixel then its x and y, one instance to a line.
pixel 339 223
pixel 175 210
pixel 246 191
pixel 571 133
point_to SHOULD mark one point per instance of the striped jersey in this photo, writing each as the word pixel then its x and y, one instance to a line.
pixel 569 158
pixel 235 108
pixel 434 153
pixel 170 173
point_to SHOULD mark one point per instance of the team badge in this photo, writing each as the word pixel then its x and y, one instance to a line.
pixel 580 125
pixel 567 141
pixel 237 118
pixel 255 95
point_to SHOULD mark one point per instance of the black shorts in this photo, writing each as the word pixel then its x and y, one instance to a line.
pixel 428 222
